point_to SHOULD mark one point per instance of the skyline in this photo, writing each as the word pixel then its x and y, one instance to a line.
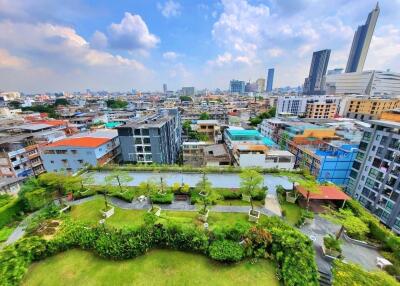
pixel 48 46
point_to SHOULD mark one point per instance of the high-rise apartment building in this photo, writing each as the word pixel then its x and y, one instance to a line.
pixel 260 84
pixel 270 79
pixel 366 107
pixel 237 86
pixel 361 41
pixel 315 83
pixel 155 138
pixel 375 175
pixel 188 91
pixel 165 88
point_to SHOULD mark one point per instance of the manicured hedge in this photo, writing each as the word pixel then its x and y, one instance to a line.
pixel 162 198
pixel 9 212
pixel 292 251
pixel 226 251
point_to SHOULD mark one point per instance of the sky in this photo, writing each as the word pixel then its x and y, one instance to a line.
pixel 120 45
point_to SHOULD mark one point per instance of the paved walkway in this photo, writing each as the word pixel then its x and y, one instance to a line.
pixel 175 206
pixel 18 232
pixel 320 227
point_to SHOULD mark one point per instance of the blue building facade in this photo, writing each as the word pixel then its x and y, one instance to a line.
pixel 335 164
pixel 270 79
pixel 237 86
pixel 315 83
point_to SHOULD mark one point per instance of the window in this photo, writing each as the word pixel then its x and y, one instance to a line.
pixel 145 132
pixel 146 140
pixel 138 140
pixel 137 131
pixel 52 162
pixel 80 161
pixel 147 149
pixel 74 151
pixel 139 149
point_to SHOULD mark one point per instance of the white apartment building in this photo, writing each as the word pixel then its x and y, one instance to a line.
pixel 372 83
pixel 297 105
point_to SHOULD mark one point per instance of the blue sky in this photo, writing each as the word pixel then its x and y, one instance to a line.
pixel 119 45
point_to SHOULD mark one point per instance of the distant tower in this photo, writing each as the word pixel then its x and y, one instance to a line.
pixel 165 88
pixel 362 39
pixel 270 79
pixel 315 83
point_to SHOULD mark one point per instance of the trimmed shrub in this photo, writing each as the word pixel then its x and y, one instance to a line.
pixel 226 251
pixel 10 212
pixel 162 198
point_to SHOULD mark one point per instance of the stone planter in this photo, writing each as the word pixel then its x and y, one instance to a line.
pixel 156 210
pixel 246 198
pixel 108 213
pixel 330 253
pixel 290 198
pixel 254 216
pixel 204 217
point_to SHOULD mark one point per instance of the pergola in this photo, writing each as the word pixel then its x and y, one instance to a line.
pixel 327 193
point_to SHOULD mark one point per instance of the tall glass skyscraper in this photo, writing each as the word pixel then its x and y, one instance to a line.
pixel 315 83
pixel 362 39
pixel 270 79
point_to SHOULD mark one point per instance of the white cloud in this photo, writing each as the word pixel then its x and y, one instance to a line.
pixel 170 56
pixel 384 52
pixel 170 8
pixel 9 61
pixel 131 33
pixel 99 40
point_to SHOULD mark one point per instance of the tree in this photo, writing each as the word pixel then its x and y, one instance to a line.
pixel 119 177
pixel 185 98
pixel 14 104
pixel 162 186
pixel 251 183
pixel 204 188
pixel 61 101
pixel 186 127
pixel 112 103
pixel 150 188
pixel 58 184
pixel 85 179
pixel 33 195
pixel 204 116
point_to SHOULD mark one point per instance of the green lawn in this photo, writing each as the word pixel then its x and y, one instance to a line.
pixel 239 203
pixel 293 212
pixel 90 212
pixel 5 232
pixel 158 267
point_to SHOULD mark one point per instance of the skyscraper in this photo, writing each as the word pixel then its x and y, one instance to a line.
pixel 362 39
pixel 237 86
pixel 270 79
pixel 165 88
pixel 315 82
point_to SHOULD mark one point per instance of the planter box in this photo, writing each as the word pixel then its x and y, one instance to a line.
pixel 254 216
pixel 329 253
pixel 290 198
pixel 204 217
pixel 308 220
pixel 107 214
pixel 156 210
pixel 246 198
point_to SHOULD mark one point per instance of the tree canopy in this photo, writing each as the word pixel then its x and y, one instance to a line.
pixel 112 103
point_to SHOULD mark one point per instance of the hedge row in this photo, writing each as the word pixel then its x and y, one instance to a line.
pixel 9 212
pixel 186 169
pixel 292 250
pixel 377 231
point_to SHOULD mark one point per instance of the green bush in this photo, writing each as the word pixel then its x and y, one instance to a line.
pixel 332 243
pixel 226 251
pixel 352 274
pixel 5 199
pixel 10 212
pixel 162 198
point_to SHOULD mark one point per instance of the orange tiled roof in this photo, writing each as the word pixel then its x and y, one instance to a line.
pixel 90 142
pixel 325 193
pixel 51 122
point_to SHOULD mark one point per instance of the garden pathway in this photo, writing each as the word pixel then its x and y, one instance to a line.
pixel 18 232
pixel 175 206
pixel 320 227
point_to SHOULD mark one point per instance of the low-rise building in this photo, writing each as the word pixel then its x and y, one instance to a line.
pixel 366 108
pixel 255 155
pixel 19 157
pixel 73 153
pixel 216 155
pixel 11 186
pixel 193 153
